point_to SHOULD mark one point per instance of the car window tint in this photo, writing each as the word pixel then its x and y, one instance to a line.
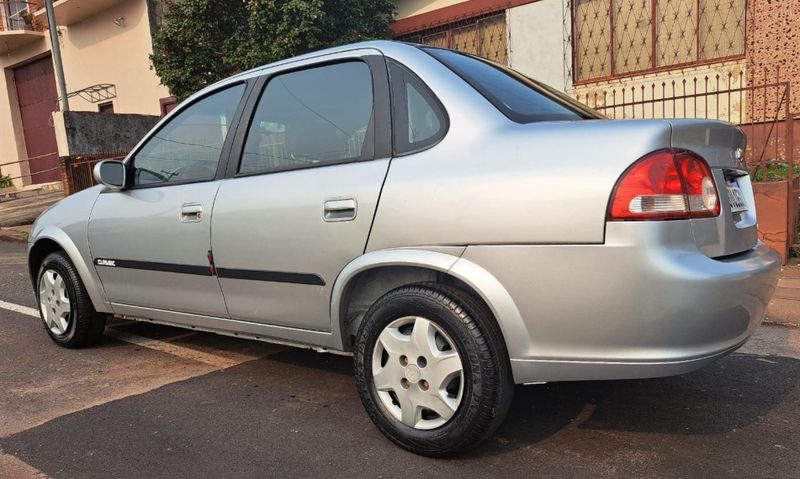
pixel 518 97
pixel 188 147
pixel 419 120
pixel 311 117
pixel 423 123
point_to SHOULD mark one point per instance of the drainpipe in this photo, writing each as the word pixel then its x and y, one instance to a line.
pixel 56 48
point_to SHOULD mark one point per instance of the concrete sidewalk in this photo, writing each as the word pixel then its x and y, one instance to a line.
pixel 784 308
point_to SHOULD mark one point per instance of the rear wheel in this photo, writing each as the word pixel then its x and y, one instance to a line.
pixel 64 305
pixel 432 369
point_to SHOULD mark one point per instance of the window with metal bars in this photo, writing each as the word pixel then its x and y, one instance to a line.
pixel 621 37
pixel 484 36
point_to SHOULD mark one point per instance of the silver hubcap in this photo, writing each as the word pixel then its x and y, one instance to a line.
pixel 417 373
pixel 54 302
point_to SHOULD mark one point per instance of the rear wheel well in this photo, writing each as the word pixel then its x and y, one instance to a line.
pixel 366 287
pixel 38 253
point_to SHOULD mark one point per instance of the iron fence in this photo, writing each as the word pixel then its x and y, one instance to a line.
pixel 483 35
pixel 761 108
pixel 19 15
pixel 78 171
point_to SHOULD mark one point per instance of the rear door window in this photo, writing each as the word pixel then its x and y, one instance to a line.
pixel 312 117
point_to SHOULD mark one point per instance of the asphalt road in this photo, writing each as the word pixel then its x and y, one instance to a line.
pixel 163 402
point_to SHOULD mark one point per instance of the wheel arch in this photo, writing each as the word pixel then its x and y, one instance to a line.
pixel 52 239
pixel 370 276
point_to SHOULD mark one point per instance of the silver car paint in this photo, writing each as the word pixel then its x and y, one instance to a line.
pixel 517 212
pixel 646 297
pixel 523 186
pixel 65 223
pixel 274 222
pixel 717 142
pixel 146 224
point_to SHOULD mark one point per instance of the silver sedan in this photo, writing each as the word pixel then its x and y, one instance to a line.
pixel 456 226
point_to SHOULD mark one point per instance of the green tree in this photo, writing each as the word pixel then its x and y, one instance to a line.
pixel 203 41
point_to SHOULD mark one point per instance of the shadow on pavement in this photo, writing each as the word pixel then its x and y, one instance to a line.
pixel 287 414
pixel 722 398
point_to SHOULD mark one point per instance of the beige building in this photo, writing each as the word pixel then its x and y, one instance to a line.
pixel 105 47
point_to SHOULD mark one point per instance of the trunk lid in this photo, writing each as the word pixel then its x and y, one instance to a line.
pixel 722 145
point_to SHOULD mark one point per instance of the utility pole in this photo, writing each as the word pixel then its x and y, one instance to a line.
pixel 56 48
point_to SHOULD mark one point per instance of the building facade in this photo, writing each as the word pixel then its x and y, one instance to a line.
pixel 105 47
pixel 632 58
pixel 731 60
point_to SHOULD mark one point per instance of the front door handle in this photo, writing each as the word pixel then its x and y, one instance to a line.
pixel 340 210
pixel 191 213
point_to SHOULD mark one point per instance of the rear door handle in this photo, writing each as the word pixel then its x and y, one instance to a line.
pixel 191 213
pixel 340 210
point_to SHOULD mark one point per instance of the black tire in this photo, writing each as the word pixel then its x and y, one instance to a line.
pixel 488 384
pixel 85 325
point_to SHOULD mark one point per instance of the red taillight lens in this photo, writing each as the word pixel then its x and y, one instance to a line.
pixel 667 184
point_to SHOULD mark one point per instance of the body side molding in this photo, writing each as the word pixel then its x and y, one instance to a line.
pixel 211 270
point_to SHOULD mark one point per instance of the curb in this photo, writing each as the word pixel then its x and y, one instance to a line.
pixel 14 236
pixel 781 323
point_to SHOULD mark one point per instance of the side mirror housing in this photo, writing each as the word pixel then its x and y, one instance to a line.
pixel 110 174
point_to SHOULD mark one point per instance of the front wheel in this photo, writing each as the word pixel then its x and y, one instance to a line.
pixel 64 305
pixel 432 369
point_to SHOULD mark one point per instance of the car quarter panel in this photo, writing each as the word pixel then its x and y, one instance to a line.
pixel 66 224
pixel 508 183
pixel 645 303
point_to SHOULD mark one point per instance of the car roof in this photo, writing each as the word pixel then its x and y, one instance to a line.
pixel 386 47
pixel 383 46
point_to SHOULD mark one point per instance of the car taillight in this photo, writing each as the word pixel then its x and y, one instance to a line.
pixel 666 184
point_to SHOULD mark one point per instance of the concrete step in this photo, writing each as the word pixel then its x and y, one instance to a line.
pixel 17 234
pixel 15 192
pixel 23 211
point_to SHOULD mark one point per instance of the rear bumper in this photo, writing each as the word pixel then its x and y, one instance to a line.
pixel 646 303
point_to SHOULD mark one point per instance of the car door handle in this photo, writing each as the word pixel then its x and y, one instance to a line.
pixel 191 213
pixel 340 210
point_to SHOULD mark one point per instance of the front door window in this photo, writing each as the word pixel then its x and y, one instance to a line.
pixel 188 147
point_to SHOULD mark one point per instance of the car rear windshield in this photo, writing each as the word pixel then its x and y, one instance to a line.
pixel 518 97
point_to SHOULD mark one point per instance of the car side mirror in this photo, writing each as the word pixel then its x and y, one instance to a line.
pixel 111 174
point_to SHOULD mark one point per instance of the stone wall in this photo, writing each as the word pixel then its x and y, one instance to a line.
pixel 773 50
pixel 85 133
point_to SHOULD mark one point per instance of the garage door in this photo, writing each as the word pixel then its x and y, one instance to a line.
pixel 36 92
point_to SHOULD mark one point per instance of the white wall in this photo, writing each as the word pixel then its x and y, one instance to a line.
pixel 409 8
pixel 536 42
